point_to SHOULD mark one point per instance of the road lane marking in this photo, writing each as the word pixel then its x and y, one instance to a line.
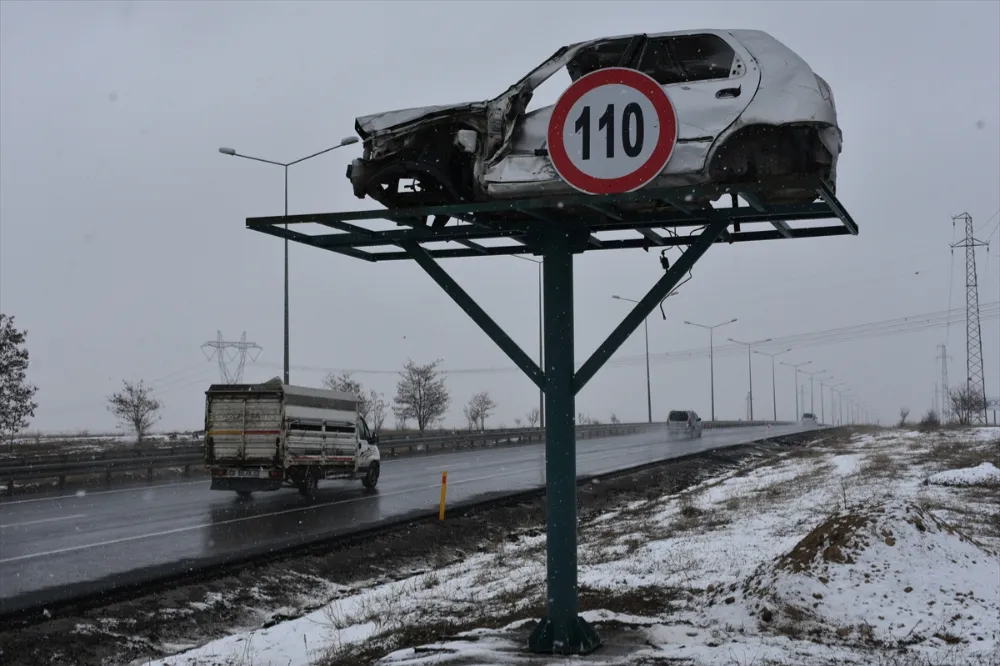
pixel 87 493
pixel 201 526
pixel 43 520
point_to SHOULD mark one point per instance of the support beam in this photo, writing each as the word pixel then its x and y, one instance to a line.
pixel 646 306
pixel 562 630
pixel 478 315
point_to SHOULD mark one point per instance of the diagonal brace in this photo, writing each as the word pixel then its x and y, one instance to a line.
pixel 478 315
pixel 646 306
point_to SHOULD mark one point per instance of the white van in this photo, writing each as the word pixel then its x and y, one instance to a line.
pixel 683 423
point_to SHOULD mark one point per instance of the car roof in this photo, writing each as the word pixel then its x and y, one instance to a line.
pixel 672 33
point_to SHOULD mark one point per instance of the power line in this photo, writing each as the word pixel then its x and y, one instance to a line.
pixel 887 327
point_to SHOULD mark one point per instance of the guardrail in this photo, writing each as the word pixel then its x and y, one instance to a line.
pixel 186 457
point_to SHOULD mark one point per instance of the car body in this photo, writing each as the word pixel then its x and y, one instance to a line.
pixel 748 109
pixel 683 423
pixel 809 418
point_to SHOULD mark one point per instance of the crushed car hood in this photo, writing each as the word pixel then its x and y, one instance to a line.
pixel 378 123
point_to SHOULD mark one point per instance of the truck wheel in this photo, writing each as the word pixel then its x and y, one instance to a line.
pixel 370 479
pixel 243 495
pixel 307 487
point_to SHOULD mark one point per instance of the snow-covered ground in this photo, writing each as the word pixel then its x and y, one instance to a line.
pixel 843 552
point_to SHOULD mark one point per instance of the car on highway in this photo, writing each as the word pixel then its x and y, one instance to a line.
pixel 683 423
pixel 748 108
pixel 809 418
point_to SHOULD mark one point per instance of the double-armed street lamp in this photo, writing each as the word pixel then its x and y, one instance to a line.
pixel 798 414
pixel 346 141
pixel 812 377
pixel 749 346
pixel 645 326
pixel 541 353
pixel 774 394
pixel 711 354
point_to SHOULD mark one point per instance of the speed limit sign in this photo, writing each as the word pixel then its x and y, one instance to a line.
pixel 612 131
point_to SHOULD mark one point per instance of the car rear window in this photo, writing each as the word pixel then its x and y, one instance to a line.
pixel 678 416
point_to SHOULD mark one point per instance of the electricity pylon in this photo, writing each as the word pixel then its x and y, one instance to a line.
pixel 236 351
pixel 973 336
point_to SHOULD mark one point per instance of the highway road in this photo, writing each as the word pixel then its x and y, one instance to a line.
pixel 56 547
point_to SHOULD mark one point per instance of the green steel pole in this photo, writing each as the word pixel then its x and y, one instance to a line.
pixel 562 631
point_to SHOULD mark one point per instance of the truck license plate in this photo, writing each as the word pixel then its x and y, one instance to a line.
pixel 245 473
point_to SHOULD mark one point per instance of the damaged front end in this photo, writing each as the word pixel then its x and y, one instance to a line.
pixel 436 155
pixel 419 157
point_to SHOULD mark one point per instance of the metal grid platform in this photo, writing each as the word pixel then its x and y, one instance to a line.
pixel 654 216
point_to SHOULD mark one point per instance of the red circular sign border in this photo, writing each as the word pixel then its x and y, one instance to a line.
pixel 632 78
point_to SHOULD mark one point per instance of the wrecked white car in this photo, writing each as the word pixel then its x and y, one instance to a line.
pixel 748 109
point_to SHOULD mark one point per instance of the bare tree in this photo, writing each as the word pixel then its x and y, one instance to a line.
pixel 931 420
pixel 136 408
pixel 518 422
pixel 16 394
pixel 347 384
pixel 378 409
pixel 903 413
pixel 614 419
pixel 478 409
pixel 421 394
pixel 965 403
pixel 532 417
pixel 471 416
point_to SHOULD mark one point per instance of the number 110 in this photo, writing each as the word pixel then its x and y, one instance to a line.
pixel 632 113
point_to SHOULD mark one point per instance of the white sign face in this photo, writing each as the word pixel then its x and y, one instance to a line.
pixel 611 131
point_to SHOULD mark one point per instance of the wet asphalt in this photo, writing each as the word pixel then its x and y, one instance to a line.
pixel 59 546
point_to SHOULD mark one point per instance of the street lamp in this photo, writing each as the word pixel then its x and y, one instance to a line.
pixel 645 325
pixel 822 407
pixel 798 414
pixel 346 141
pixel 774 395
pixel 541 357
pixel 749 346
pixel 711 355
pixel 812 386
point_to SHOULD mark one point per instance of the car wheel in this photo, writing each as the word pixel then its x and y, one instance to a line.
pixel 370 479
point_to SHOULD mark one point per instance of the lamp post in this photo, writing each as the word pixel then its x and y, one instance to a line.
pixel 541 353
pixel 835 388
pixel 749 346
pixel 822 408
pixel 774 394
pixel 798 414
pixel 346 141
pixel 645 326
pixel 711 355
pixel 812 386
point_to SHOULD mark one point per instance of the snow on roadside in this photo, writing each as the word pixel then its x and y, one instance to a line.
pixel 983 474
pixel 694 573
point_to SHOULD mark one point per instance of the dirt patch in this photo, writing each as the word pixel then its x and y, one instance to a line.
pixel 264 594
pixel 831 541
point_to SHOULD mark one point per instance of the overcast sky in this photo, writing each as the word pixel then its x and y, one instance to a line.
pixel 122 239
